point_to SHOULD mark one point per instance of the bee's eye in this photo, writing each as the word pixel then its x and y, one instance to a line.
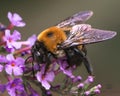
pixel 50 34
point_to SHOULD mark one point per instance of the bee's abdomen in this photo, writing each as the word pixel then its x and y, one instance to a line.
pixel 74 56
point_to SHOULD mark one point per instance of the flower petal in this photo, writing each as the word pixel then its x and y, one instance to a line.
pixel 32 40
pixel 17 71
pixel 19 62
pixel 1 68
pixel 46 85
pixel 50 76
pixel 8 69
pixel 10 57
pixel 16 45
pixel 9 16
pixel 7 33
pixel 16 17
pixel 16 35
pixel 20 24
pixel 39 76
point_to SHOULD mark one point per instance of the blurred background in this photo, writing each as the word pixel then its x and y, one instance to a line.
pixel 104 56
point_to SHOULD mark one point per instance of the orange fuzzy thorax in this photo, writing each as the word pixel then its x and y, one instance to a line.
pixel 51 37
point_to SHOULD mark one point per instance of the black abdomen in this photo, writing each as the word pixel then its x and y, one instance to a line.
pixel 74 56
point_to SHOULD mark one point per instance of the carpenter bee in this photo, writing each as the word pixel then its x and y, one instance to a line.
pixel 54 41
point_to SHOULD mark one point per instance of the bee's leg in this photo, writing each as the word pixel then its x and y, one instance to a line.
pixel 88 65
pixel 46 67
pixel 27 59
pixel 32 61
pixel 85 61
pixel 49 57
pixel 83 49
pixel 33 69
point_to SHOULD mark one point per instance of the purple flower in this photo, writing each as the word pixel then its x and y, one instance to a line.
pixel 87 93
pixel 2 27
pixel 2 88
pixel 97 91
pixel 89 80
pixel 15 20
pixel 45 78
pixel 1 68
pixel 30 42
pixel 63 67
pixel 81 85
pixel 77 79
pixel 48 93
pixel 15 87
pixel 99 86
pixel 33 94
pixel 94 90
pixel 11 39
pixel 2 61
pixel 15 65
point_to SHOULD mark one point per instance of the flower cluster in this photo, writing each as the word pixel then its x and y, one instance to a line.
pixel 20 72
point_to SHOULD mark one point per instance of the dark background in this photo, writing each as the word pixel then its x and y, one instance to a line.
pixel 104 56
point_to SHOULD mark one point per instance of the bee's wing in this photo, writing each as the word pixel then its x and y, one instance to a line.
pixel 77 18
pixel 87 37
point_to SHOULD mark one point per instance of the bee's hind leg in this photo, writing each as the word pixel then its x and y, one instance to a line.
pixel 85 61
pixel 49 57
pixel 88 65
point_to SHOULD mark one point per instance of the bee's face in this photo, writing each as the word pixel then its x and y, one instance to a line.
pixel 38 52
pixel 51 37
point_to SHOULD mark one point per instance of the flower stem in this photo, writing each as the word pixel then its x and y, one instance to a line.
pixel 21 50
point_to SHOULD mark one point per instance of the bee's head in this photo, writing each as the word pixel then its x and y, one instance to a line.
pixel 51 37
pixel 38 52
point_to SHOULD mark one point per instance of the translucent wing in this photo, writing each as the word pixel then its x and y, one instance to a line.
pixel 77 18
pixel 87 37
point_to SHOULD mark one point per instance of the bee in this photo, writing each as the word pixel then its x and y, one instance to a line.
pixel 54 41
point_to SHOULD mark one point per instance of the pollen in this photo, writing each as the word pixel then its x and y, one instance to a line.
pixel 43 77
pixel 10 40
pixel 13 64
pixel 13 85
